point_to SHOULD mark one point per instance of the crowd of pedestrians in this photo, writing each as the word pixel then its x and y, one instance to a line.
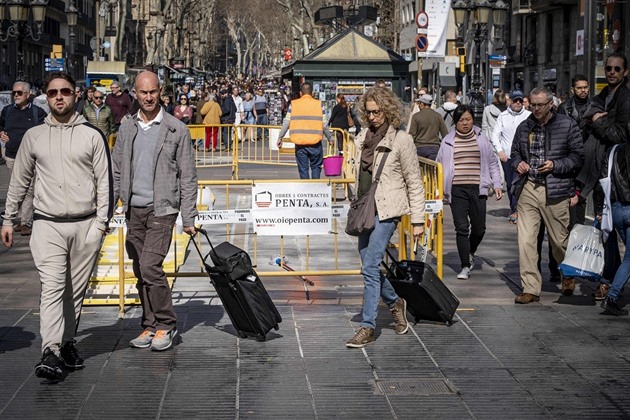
pixel 548 156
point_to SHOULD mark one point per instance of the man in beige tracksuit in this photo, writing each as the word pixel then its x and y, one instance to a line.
pixel 73 202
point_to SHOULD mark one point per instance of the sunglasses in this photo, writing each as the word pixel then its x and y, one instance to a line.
pixel 611 68
pixel 52 93
pixel 375 112
pixel 517 100
pixel 97 97
pixel 18 93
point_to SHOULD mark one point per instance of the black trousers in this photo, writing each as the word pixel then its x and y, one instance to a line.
pixel 469 217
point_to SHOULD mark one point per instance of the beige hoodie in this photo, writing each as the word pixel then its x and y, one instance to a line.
pixel 73 173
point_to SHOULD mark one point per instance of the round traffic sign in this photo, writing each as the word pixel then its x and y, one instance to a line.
pixel 422 19
pixel 422 43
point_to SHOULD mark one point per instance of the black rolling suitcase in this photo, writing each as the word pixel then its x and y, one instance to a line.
pixel 427 296
pixel 243 295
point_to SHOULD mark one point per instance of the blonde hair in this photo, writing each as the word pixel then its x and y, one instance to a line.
pixel 386 101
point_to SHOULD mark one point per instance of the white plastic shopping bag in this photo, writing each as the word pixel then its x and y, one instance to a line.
pixel 607 222
pixel 585 253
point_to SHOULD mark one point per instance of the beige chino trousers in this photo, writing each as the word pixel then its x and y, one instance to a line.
pixel 533 207
pixel 65 254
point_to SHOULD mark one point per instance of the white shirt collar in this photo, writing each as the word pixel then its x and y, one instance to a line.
pixel 157 120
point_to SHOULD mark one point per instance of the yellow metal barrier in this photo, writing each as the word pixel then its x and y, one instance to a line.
pixel 433 182
pixel 124 280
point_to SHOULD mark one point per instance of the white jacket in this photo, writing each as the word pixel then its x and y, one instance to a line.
pixel 504 130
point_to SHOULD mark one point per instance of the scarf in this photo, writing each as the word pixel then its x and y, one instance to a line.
pixel 372 139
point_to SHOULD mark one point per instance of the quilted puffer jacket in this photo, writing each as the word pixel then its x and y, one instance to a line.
pixel 563 145
pixel 400 189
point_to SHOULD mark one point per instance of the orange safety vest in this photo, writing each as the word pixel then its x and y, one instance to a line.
pixel 306 125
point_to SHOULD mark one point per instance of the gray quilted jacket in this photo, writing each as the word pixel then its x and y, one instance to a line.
pixel 175 179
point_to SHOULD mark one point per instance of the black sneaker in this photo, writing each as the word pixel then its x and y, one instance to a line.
pixel 70 356
pixel 613 307
pixel 50 366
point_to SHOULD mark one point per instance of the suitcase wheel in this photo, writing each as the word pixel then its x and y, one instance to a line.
pixel 276 327
pixel 241 334
pixel 449 323
pixel 261 338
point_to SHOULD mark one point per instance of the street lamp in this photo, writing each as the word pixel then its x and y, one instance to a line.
pixel 72 15
pixel 471 19
pixel 19 27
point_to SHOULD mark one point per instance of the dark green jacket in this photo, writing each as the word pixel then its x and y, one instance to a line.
pixel 105 120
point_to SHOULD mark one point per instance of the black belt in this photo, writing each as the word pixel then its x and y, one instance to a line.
pixel 38 216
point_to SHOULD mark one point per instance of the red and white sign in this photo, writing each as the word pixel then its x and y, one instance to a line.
pixel 422 19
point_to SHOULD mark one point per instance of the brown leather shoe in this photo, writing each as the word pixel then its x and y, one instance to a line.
pixel 568 286
pixel 525 298
pixel 602 291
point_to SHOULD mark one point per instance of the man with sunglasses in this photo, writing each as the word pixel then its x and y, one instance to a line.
pixel 546 152
pixel 607 120
pixel 73 205
pixel 502 137
pixel 15 120
pixel 99 114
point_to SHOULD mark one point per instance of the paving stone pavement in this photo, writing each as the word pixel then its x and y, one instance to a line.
pixel 560 358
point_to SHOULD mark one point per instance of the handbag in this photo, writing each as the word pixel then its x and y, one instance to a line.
pixel 350 119
pixel 363 209
pixel 607 219
pixel 585 253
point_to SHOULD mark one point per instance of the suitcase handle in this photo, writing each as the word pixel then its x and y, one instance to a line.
pixel 210 269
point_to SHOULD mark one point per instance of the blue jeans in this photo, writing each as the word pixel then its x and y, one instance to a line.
pixel 621 221
pixel 372 250
pixel 312 156
pixel 262 120
pixel 226 136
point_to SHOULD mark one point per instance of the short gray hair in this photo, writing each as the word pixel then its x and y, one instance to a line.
pixel 27 85
pixel 542 91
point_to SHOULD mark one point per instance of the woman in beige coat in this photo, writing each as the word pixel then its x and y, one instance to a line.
pixel 399 192
pixel 211 112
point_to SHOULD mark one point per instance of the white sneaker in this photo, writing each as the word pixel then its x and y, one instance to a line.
pixel 464 274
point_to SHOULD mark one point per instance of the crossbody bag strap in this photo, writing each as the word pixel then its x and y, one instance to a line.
pixel 380 167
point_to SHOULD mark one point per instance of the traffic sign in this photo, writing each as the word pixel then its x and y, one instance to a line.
pixel 54 64
pixel 422 43
pixel 422 19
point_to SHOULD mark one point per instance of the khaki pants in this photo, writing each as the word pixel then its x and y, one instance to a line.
pixel 26 208
pixel 533 207
pixel 65 254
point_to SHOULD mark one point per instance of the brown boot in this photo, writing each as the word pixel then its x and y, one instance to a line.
pixel 525 298
pixel 399 312
pixel 568 286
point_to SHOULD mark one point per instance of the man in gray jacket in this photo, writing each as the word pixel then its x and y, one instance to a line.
pixel 155 177
pixel 72 206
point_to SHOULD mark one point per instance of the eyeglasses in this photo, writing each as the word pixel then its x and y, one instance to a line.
pixel 611 68
pixel 97 97
pixel 52 93
pixel 540 105
pixel 375 112
pixel 18 93
pixel 114 87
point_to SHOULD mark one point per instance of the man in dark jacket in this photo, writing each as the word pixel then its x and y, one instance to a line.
pixel 608 126
pixel 546 151
pixel 228 116
pixel 575 106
